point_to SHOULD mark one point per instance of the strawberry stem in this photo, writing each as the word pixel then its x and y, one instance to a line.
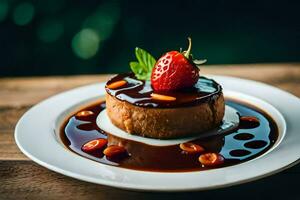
pixel 188 51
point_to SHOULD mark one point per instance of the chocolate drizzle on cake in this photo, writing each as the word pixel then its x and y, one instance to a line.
pixel 138 92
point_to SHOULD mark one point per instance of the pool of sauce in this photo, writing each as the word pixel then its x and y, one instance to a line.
pixel 249 141
pixel 138 92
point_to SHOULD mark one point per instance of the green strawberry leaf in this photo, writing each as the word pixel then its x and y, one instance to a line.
pixel 143 68
pixel 199 62
pixel 138 70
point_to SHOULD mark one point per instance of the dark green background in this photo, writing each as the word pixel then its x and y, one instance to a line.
pixel 43 37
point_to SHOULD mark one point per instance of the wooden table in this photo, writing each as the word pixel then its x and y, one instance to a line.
pixel 21 178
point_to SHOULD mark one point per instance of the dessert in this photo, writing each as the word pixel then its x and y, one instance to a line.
pixel 164 99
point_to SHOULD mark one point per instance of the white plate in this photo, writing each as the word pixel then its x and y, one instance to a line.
pixel 36 134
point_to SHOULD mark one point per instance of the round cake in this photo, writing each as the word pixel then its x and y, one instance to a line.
pixel 133 106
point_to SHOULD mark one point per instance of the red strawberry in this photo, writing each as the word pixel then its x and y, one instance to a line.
pixel 175 70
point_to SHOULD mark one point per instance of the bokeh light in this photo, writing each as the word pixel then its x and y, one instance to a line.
pixel 104 19
pixel 23 13
pixel 98 25
pixel 3 10
pixel 85 43
pixel 50 30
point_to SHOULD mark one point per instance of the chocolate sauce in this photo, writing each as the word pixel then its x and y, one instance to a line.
pixel 249 122
pixel 236 147
pixel 258 144
pixel 239 152
pixel 243 136
pixel 138 92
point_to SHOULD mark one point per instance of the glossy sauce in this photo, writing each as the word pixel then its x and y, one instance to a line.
pixel 249 141
pixel 138 92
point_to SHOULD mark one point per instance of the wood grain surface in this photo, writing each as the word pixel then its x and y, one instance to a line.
pixel 20 178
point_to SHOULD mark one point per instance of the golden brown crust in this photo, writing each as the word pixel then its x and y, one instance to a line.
pixel 165 123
